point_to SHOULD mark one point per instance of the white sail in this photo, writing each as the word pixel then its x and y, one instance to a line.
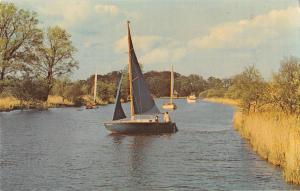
pixel 95 87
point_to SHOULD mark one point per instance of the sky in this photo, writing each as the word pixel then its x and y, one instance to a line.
pixel 205 37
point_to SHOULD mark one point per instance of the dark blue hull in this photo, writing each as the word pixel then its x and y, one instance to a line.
pixel 141 127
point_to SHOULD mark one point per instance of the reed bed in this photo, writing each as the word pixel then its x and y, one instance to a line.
pixel 226 101
pixel 9 103
pixel 275 137
pixel 12 103
pixel 57 100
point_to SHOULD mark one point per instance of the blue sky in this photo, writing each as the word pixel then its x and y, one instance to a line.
pixel 206 37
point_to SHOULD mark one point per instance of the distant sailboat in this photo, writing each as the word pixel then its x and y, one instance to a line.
pixel 93 105
pixel 170 105
pixel 144 112
pixel 95 87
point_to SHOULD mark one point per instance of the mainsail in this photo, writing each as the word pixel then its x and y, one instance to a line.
pixel 143 102
pixel 119 112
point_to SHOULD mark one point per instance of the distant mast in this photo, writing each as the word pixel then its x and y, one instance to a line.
pixel 172 84
pixel 95 87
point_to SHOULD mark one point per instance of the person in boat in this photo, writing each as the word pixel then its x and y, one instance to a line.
pixel 156 118
pixel 167 117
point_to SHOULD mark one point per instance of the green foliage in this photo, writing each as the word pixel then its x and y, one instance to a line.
pixel 29 89
pixel 106 91
pixel 285 87
pixel 74 91
pixel 60 86
pixel 248 87
pixel 214 92
pixel 19 39
pixel 55 56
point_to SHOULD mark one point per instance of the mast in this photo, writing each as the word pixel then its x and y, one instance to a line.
pixel 95 87
pixel 130 71
pixel 172 84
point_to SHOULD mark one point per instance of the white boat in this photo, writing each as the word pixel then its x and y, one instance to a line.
pixel 170 105
pixel 191 98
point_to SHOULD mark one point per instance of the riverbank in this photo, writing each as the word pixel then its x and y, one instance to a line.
pixel 275 137
pixel 225 101
pixel 10 103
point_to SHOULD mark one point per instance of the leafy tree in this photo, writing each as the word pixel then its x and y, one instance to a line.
pixel 55 56
pixel 29 89
pixel 249 86
pixel 19 39
pixel 213 82
pixel 60 86
pixel 106 91
pixel 285 88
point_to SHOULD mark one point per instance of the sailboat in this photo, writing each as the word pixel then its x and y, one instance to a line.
pixel 93 105
pixel 170 105
pixel 144 114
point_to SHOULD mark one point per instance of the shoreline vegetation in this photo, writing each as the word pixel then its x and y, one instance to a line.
pixel 274 136
pixel 225 101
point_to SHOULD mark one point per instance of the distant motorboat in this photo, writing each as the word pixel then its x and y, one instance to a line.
pixel 191 98
pixel 144 114
pixel 170 105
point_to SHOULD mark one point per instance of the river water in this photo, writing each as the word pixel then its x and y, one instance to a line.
pixel 69 149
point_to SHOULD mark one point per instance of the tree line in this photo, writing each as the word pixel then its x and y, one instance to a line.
pixel 281 93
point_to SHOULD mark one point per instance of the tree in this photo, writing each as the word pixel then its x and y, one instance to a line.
pixel 60 87
pixel 28 89
pixel 19 38
pixel 249 86
pixel 285 88
pixel 55 56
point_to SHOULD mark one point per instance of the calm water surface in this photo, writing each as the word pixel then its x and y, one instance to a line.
pixel 69 149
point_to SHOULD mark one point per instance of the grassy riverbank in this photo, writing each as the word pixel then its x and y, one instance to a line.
pixel 11 103
pixel 226 101
pixel 275 137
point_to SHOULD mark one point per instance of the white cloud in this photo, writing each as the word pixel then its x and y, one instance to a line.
pixel 252 32
pixel 76 12
pixel 68 13
pixel 153 49
pixel 111 9
pixel 163 55
pixel 141 42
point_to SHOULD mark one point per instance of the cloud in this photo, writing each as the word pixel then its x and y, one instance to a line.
pixel 76 12
pixel 251 32
pixel 66 13
pixel 141 42
pixel 153 49
pixel 110 9
pixel 163 55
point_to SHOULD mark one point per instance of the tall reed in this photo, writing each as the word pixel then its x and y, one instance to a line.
pixel 275 137
pixel 226 101
pixel 8 103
